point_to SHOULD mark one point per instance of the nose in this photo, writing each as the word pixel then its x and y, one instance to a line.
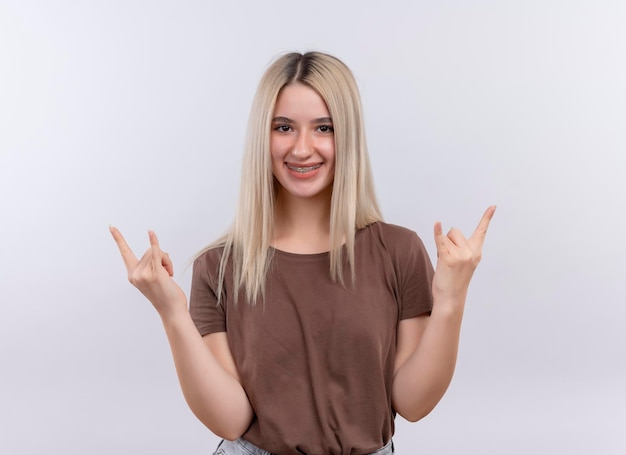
pixel 303 146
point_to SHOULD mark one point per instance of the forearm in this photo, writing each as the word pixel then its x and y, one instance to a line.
pixel 421 381
pixel 214 395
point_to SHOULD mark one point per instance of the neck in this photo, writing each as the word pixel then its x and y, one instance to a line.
pixel 302 225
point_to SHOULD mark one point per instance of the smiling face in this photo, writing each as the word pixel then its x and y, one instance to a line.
pixel 302 143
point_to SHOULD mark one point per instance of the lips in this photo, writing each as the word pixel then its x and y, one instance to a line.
pixel 303 169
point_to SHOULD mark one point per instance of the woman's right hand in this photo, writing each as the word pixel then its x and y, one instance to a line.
pixel 205 367
pixel 152 275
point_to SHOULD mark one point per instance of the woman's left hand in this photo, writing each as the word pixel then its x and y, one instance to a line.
pixel 457 258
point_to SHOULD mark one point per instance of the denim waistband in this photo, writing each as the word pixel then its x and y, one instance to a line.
pixel 243 447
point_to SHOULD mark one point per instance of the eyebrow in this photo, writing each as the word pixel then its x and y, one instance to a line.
pixel 288 120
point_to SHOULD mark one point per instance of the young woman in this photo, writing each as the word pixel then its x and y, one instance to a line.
pixel 312 322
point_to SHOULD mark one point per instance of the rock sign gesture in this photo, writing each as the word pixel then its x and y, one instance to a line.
pixel 457 258
pixel 152 274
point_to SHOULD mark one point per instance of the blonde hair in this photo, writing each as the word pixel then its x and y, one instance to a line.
pixel 353 201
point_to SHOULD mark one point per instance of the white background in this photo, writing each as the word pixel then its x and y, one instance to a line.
pixel 133 113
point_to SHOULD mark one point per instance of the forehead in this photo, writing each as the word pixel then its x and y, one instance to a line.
pixel 300 99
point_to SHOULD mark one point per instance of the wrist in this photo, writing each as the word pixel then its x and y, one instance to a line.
pixel 448 306
pixel 174 316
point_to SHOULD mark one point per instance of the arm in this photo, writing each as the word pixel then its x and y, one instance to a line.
pixel 428 345
pixel 212 389
pixel 205 367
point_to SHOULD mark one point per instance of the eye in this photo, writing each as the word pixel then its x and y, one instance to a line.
pixel 282 128
pixel 325 129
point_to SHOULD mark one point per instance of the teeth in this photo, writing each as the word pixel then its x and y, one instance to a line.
pixel 302 170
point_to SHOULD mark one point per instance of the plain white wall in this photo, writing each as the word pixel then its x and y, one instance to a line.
pixel 133 113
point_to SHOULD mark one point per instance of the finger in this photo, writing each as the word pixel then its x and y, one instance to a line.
pixel 167 263
pixel 440 239
pixel 155 250
pixel 438 231
pixel 129 258
pixel 143 269
pixel 481 230
pixel 160 258
pixel 456 236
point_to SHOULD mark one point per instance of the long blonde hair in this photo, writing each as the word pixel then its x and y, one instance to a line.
pixel 353 202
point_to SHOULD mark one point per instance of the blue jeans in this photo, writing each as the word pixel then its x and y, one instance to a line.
pixel 243 447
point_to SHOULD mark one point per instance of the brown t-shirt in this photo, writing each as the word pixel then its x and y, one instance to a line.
pixel 315 358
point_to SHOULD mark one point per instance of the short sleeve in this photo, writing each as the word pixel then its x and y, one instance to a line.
pixel 207 315
pixel 415 277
